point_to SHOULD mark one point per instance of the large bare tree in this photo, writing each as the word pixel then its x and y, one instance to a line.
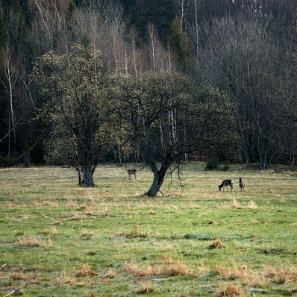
pixel 237 58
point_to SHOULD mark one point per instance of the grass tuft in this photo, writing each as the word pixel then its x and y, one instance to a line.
pixel 168 267
pixel 33 241
pixel 216 244
pixel 229 290
pixel 87 235
pixel 236 204
pixel 146 288
pixel 85 270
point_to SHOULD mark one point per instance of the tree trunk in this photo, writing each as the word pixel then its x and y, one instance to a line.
pixel 88 171
pixel 263 146
pixel 263 160
pixel 245 150
pixel 159 176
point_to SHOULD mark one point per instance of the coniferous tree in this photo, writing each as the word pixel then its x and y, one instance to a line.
pixel 179 44
pixel 3 33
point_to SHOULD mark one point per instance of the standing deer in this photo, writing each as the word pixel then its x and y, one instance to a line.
pixel 131 172
pixel 226 183
pixel 241 184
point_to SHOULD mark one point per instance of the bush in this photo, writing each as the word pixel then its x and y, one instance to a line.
pixel 214 164
pixel 8 161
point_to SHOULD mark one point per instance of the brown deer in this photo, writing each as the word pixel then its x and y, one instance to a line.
pixel 241 184
pixel 131 172
pixel 226 183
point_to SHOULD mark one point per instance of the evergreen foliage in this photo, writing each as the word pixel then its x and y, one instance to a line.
pixel 179 44
pixel 3 33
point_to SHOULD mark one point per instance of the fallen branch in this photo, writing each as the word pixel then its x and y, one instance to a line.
pixel 11 292
pixel 3 266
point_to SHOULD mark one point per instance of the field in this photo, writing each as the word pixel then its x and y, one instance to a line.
pixel 57 239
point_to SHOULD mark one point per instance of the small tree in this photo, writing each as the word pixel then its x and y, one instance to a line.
pixel 75 87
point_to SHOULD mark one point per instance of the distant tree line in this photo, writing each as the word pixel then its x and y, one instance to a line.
pixel 147 81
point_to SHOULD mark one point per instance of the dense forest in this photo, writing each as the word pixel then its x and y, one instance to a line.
pixel 148 81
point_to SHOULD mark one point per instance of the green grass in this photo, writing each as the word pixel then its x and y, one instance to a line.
pixel 57 239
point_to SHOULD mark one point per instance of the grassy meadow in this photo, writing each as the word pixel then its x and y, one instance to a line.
pixel 57 239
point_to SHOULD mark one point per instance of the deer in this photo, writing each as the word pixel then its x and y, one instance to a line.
pixel 241 184
pixel 131 172
pixel 226 183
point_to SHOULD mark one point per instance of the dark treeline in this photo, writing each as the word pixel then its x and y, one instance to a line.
pixel 242 50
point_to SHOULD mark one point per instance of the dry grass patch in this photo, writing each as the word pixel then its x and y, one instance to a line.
pixel 24 277
pixel 64 279
pixel 252 204
pixel 33 241
pixel 46 203
pixel 286 275
pixel 145 288
pixel 85 270
pixel 76 216
pixel 168 267
pixel 135 233
pixel 259 279
pixel 110 273
pixel 235 204
pixel 71 203
pixel 233 273
pixel 216 244
pixel 229 290
pixel 193 205
pixel 87 235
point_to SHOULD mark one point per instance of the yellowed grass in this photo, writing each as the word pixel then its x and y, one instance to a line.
pixel 236 204
pixel 287 275
pixel 146 288
pixel 87 235
pixel 216 244
pixel 33 241
pixel 252 204
pixel 85 270
pixel 261 278
pixel 110 273
pixel 229 290
pixel 168 267
pixel 64 278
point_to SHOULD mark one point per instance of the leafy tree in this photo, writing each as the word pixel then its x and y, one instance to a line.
pixel 153 108
pixel 76 90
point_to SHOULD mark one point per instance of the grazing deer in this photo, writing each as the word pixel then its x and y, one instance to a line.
pixel 226 183
pixel 131 172
pixel 241 184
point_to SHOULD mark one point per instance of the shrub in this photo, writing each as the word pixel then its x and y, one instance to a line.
pixel 214 164
pixel 8 161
